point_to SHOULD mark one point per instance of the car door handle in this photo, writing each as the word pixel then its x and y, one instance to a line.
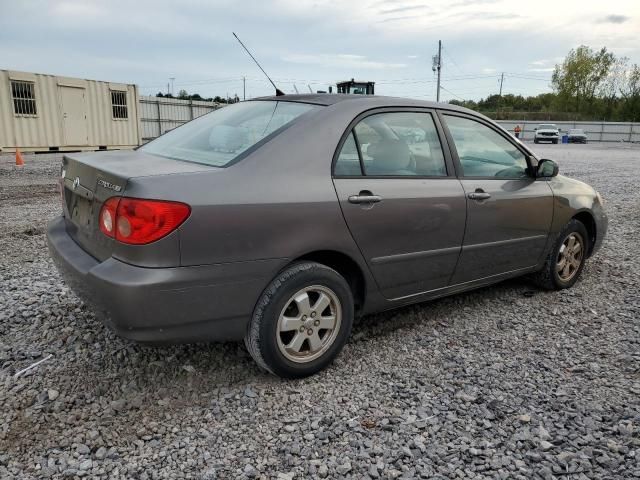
pixel 479 195
pixel 365 197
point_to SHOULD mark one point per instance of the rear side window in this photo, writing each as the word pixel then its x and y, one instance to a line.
pixel 220 137
pixel 393 144
pixel 483 152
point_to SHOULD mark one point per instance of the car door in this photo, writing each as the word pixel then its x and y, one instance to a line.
pixel 509 212
pixel 400 199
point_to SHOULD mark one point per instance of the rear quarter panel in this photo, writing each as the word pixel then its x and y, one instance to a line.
pixel 277 203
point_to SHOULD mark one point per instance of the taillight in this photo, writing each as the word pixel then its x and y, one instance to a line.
pixel 108 217
pixel 138 221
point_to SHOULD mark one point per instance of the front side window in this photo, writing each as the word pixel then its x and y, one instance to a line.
pixel 395 144
pixel 119 105
pixel 483 152
pixel 221 136
pixel 24 98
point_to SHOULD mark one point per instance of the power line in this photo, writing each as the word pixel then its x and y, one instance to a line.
pixel 446 90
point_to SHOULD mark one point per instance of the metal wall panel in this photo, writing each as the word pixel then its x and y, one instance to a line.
pixel 45 129
pixel 159 115
pixel 596 131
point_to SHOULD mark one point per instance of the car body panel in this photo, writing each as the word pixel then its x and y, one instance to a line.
pixel 411 239
pixel 280 203
pixel 506 232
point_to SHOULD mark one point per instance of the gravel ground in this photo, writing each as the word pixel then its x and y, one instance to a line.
pixel 503 382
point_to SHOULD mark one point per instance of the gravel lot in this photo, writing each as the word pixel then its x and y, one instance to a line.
pixel 504 382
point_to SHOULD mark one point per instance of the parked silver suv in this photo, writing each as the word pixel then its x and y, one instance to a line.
pixel 278 220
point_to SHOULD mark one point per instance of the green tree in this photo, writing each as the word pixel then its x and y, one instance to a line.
pixel 630 93
pixel 579 77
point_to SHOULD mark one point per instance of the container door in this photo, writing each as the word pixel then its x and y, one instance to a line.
pixel 74 116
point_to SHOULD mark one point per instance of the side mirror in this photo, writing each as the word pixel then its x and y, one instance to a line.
pixel 547 168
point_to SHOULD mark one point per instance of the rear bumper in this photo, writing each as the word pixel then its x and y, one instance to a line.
pixel 173 305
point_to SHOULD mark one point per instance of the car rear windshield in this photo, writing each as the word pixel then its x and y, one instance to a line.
pixel 547 126
pixel 576 131
pixel 222 136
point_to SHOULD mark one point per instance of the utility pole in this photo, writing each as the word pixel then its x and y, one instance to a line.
pixel 500 96
pixel 437 66
pixel 244 88
pixel 172 79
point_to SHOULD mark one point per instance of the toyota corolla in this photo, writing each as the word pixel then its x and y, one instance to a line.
pixel 278 220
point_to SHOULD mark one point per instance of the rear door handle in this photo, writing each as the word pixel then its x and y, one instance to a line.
pixel 478 195
pixel 365 197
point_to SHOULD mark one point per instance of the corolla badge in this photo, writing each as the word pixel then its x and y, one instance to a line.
pixel 109 185
pixel 76 183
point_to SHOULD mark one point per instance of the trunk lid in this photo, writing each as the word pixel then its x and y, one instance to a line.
pixel 88 179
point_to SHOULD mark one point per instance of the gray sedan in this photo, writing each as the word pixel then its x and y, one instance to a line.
pixel 279 220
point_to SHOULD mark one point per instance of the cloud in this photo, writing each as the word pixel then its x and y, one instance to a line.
pixel 468 3
pixel 396 19
pixel 342 60
pixel 539 63
pixel 405 8
pixel 488 70
pixel 413 56
pixel 545 69
pixel 614 19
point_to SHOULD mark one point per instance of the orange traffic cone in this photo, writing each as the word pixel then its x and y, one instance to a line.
pixel 19 159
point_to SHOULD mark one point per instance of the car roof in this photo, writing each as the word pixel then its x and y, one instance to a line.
pixel 368 101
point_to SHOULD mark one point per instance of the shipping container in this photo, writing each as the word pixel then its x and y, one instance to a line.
pixel 40 112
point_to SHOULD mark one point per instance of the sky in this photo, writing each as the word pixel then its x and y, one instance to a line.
pixel 313 44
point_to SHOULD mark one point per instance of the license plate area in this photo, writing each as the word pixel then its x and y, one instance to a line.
pixel 81 212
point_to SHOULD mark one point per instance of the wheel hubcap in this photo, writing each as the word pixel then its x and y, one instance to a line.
pixel 570 256
pixel 309 323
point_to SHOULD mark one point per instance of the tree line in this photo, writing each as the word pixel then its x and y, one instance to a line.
pixel 184 95
pixel 587 85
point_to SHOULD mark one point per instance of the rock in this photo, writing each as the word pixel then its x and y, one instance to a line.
pixel 101 453
pixel 250 471
pixel 53 394
pixel 544 445
pixel 119 405
pixel 526 418
pixel 323 471
pixel 543 434
pixel 83 449
pixel 344 468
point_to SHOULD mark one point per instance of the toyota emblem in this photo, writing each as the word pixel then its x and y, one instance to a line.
pixel 76 182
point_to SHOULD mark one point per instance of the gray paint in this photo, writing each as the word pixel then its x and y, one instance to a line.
pixel 425 239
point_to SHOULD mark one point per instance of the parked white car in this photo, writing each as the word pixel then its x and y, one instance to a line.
pixel 546 132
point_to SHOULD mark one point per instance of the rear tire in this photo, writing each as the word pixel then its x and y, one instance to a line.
pixel 555 142
pixel 301 322
pixel 565 261
pixel 535 140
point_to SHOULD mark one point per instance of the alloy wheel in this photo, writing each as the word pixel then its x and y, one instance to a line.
pixel 570 256
pixel 309 323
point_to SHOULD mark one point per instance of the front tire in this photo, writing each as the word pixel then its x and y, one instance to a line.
pixel 301 322
pixel 566 260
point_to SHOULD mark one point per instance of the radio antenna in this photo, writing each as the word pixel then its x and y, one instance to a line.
pixel 278 91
